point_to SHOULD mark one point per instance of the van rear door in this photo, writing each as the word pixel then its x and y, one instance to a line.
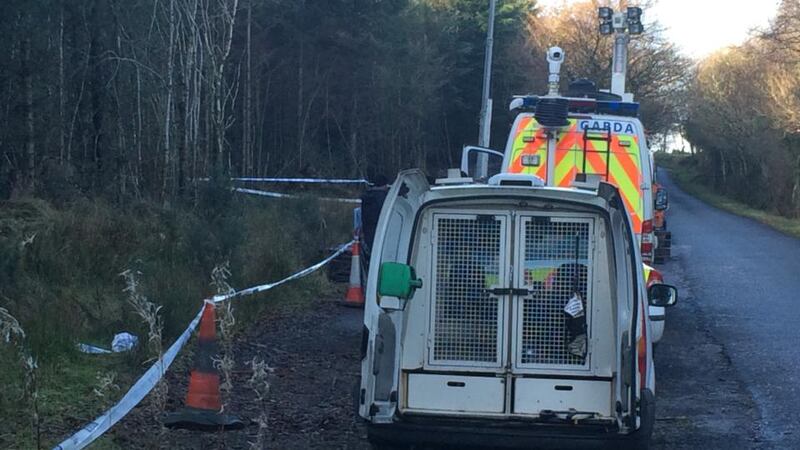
pixel 382 330
pixel 500 342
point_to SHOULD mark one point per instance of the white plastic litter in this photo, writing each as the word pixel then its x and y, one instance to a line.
pixel 124 342
pixel 91 349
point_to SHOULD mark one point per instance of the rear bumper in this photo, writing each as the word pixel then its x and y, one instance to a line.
pixel 495 434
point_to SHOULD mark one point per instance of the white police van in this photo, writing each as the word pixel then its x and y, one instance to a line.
pixel 506 314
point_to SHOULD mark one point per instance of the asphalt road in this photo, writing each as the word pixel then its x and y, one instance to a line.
pixel 741 281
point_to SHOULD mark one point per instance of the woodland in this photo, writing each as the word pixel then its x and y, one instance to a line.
pixel 122 122
pixel 144 99
pixel 742 117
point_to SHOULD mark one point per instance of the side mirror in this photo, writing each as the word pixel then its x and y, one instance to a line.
pixel 470 161
pixel 397 280
pixel 662 295
pixel 662 200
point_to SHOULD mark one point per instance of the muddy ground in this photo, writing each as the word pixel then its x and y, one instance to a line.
pixel 314 352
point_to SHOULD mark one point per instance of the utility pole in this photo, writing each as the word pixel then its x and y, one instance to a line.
pixel 486 102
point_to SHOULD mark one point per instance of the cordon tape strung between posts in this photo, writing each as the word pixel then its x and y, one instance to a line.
pixel 280 195
pixel 304 180
pixel 153 375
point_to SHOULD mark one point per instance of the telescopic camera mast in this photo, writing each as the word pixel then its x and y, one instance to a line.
pixel 621 25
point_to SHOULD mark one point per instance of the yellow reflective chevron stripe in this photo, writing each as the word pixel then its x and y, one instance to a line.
pixel 529 140
pixel 622 163
pixel 647 270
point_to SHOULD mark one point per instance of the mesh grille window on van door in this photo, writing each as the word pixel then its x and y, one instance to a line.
pixel 556 267
pixel 469 257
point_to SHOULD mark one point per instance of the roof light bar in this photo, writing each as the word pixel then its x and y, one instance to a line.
pixel 580 106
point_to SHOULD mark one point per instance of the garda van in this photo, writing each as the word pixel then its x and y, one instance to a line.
pixel 586 132
pixel 603 137
pixel 465 344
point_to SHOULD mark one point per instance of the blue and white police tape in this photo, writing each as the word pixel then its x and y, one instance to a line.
pixel 135 394
pixel 150 379
pixel 303 180
pixel 280 195
pixel 301 274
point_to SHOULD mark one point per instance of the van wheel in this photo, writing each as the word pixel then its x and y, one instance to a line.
pixel 640 439
pixel 357 395
pixel 384 446
pixel 383 443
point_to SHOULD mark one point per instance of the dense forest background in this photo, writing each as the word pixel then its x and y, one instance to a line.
pixel 143 98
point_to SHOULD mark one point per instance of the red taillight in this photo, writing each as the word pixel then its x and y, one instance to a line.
pixel 647 226
pixel 647 241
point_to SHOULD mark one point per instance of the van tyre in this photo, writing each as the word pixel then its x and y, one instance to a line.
pixel 384 446
pixel 640 439
pixel 376 444
pixel 357 395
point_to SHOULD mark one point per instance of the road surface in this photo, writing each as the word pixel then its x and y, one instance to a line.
pixel 743 279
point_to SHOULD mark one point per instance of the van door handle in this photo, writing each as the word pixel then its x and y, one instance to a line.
pixel 507 291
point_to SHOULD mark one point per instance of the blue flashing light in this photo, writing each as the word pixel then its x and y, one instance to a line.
pixel 618 108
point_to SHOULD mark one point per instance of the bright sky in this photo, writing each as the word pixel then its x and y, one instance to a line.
pixel 703 26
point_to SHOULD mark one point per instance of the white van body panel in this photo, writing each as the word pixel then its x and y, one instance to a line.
pixel 419 362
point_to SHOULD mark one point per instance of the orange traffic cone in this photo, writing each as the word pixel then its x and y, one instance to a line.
pixel 203 402
pixel 355 292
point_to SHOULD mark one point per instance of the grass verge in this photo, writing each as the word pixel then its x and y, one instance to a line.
pixel 686 174
pixel 60 277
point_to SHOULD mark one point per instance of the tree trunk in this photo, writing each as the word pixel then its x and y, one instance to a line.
pixel 168 113
pixel 62 124
pixel 27 82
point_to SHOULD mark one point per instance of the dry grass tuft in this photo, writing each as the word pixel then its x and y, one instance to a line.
pixel 106 384
pixel 259 383
pixel 13 334
pixel 149 313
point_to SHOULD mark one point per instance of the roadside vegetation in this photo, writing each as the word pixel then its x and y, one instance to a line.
pixel 742 118
pixel 60 278
pixel 687 173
